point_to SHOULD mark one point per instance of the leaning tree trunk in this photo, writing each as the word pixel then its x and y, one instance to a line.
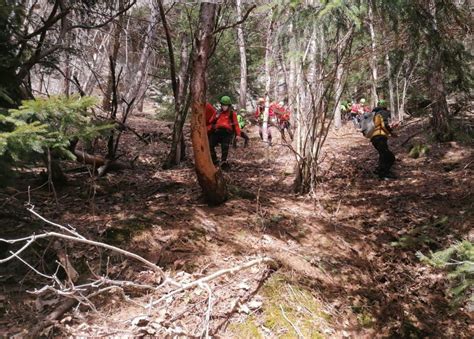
pixel 243 59
pixel 209 177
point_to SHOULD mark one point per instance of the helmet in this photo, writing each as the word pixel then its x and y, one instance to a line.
pixel 243 110
pixel 261 100
pixel 362 101
pixel 382 103
pixel 281 103
pixel 225 100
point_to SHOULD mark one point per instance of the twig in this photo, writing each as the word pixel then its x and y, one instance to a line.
pixel 70 230
pixel 89 242
pixel 298 332
pixel 209 309
pixel 214 276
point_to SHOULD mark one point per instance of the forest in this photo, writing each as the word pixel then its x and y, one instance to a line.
pixel 236 168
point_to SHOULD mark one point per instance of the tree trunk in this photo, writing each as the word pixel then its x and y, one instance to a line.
pixel 373 57
pixel 243 59
pixel 139 81
pixel 338 85
pixel 268 55
pixel 440 118
pixel 440 110
pixel 209 177
pixel 393 107
pixel 177 150
pixel 113 54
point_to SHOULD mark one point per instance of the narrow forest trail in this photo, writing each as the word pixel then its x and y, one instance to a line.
pixel 349 253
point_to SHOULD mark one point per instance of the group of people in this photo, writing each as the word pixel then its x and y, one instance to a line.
pixel 224 125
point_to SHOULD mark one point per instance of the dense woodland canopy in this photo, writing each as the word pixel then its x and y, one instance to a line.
pixel 85 83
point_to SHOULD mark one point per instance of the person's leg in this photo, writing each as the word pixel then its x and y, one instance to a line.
pixel 213 141
pixel 288 128
pixel 245 137
pixel 234 141
pixel 225 144
pixel 269 133
pixel 386 157
pixel 260 132
pixel 281 127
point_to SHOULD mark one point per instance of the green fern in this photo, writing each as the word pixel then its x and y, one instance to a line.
pixel 458 260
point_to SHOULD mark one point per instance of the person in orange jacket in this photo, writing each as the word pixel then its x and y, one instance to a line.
pixel 259 117
pixel 223 127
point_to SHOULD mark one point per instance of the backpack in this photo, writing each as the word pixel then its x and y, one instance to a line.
pixel 366 124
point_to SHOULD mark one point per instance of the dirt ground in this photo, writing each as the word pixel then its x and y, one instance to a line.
pixel 346 257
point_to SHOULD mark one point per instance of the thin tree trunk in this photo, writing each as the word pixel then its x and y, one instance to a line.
pixel 243 59
pixel 393 107
pixel 140 78
pixel 373 57
pixel 209 177
pixel 177 150
pixel 338 85
pixel 440 110
pixel 113 53
pixel 268 54
pixel 292 77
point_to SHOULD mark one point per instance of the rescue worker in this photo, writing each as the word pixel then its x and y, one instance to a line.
pixel 283 119
pixel 379 140
pixel 223 127
pixel 242 123
pixel 259 117
pixel 357 110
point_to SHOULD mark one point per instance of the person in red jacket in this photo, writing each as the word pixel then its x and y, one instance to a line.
pixel 259 117
pixel 223 126
pixel 210 113
pixel 283 119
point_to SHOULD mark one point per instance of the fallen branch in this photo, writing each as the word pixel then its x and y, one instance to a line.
pixel 77 238
pixel 49 320
pixel 213 276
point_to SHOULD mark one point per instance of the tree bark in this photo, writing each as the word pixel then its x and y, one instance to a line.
pixel 268 55
pixel 373 56
pixel 209 177
pixel 393 107
pixel 243 59
pixel 440 110
pixel 113 54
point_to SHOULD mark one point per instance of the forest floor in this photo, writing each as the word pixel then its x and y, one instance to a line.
pixel 347 262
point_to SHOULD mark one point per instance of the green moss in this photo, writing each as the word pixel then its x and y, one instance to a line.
pixel 299 306
pixel 247 329
pixel 419 150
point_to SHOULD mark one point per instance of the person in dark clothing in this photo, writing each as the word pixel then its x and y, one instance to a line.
pixel 224 125
pixel 379 140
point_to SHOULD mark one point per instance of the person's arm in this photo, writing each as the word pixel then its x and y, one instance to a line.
pixel 236 124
